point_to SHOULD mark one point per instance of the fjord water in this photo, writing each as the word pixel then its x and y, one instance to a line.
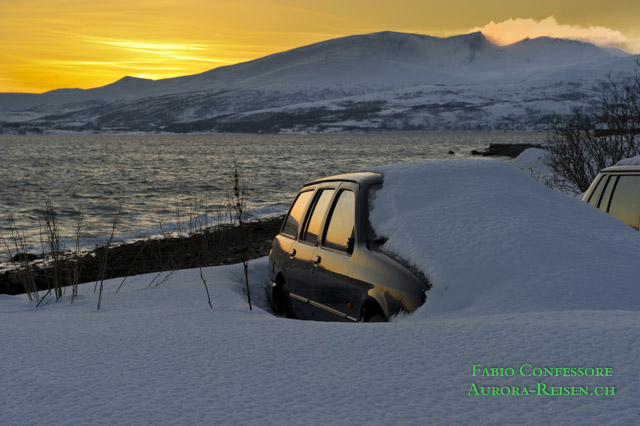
pixel 159 178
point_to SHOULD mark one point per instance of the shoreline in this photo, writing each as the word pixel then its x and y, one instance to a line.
pixel 221 245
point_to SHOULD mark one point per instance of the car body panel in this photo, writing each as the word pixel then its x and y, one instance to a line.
pixel 616 190
pixel 330 282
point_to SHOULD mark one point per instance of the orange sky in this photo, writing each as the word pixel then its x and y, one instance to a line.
pixel 47 44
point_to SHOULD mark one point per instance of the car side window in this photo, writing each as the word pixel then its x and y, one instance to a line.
pixel 320 206
pixel 292 223
pixel 606 196
pixel 625 203
pixel 371 198
pixel 341 222
pixel 595 195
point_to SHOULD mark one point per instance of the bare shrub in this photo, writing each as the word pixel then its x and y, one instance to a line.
pixel 591 139
pixel 55 249
pixel 199 225
pixel 75 269
pixel 105 254
pixel 239 203
pixel 21 259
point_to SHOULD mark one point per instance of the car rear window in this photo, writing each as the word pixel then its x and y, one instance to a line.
pixel 294 218
pixel 625 203
pixel 595 195
pixel 314 222
pixel 341 221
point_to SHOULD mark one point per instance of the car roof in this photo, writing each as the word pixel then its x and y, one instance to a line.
pixel 622 169
pixel 358 177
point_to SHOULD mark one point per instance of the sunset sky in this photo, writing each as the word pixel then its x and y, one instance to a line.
pixel 47 44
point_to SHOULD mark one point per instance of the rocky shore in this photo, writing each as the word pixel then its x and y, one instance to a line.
pixel 218 246
pixel 505 149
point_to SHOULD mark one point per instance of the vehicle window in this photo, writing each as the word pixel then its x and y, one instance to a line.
pixel 625 203
pixel 341 222
pixel 371 198
pixel 606 196
pixel 595 195
pixel 292 222
pixel 317 214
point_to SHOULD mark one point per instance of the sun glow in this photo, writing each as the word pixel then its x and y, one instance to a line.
pixel 46 45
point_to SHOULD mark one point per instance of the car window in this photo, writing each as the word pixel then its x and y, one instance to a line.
pixel 319 209
pixel 625 203
pixel 341 222
pixel 595 195
pixel 292 222
pixel 606 196
pixel 371 198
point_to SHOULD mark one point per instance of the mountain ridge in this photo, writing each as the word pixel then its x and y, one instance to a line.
pixel 361 70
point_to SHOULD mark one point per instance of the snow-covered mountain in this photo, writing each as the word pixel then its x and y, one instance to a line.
pixel 380 81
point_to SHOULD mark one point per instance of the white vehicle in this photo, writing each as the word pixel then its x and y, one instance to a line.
pixel 616 190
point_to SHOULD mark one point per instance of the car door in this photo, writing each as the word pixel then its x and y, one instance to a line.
pixel 625 201
pixel 301 271
pixel 285 248
pixel 332 259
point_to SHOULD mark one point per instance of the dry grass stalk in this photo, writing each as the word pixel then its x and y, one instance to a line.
pixel 105 255
pixel 76 267
pixel 23 265
pixel 239 202
pixel 52 234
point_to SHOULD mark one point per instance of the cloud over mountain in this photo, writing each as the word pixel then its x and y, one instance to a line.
pixel 513 30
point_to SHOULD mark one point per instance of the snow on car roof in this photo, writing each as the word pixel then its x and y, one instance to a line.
pixel 493 240
pixel 633 161
pixel 358 177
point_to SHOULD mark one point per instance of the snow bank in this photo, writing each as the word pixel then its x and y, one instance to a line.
pixel 159 355
pixel 532 159
pixel 633 161
pixel 533 162
pixel 493 240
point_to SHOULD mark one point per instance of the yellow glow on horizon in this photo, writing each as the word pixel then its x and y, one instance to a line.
pixel 46 45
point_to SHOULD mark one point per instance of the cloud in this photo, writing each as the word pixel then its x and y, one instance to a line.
pixel 514 30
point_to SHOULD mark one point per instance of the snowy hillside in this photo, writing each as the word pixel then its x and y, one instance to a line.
pixel 524 279
pixel 383 81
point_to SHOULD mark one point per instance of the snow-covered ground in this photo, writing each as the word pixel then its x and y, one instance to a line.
pixel 493 240
pixel 523 278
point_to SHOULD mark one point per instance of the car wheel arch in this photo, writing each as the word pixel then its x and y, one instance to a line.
pixel 281 301
pixel 372 308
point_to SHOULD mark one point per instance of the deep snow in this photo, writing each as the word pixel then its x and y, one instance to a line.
pixel 633 161
pixel 493 240
pixel 516 281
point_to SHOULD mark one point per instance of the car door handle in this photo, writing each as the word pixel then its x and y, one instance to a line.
pixel 317 260
pixel 292 254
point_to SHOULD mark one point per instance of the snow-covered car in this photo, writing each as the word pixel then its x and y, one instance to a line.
pixel 616 190
pixel 324 263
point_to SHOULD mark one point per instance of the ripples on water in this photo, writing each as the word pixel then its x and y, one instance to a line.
pixel 149 175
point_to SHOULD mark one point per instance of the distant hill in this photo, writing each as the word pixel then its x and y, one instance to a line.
pixel 383 81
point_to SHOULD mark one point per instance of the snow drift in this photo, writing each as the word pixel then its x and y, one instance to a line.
pixel 633 161
pixel 493 240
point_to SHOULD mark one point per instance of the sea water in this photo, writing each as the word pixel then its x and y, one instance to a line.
pixel 157 182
